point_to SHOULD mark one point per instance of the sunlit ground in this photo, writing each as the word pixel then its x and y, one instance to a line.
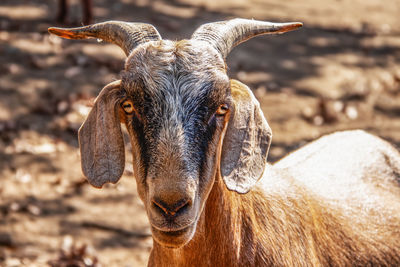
pixel 340 71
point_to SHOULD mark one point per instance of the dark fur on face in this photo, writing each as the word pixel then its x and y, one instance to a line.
pixel 176 88
pixel 175 91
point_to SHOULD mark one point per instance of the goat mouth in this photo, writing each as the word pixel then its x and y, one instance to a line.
pixel 172 232
pixel 173 238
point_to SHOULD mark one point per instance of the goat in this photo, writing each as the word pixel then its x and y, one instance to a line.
pixel 200 145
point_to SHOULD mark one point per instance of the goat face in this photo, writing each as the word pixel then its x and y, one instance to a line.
pixel 188 124
pixel 180 96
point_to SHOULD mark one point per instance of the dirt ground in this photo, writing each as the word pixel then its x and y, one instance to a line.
pixel 340 71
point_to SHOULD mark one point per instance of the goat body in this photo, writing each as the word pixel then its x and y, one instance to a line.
pixel 334 202
pixel 200 144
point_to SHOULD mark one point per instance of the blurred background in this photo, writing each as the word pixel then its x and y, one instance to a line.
pixel 340 71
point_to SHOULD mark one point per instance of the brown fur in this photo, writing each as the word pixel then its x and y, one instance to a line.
pixel 286 220
pixel 275 230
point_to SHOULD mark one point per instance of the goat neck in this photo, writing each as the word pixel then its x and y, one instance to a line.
pixel 284 226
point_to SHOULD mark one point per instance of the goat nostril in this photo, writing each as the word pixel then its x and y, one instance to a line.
pixel 184 205
pixel 173 209
pixel 159 207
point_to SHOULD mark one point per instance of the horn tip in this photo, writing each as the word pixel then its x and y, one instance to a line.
pixel 295 25
pixel 64 33
pixel 290 26
pixel 52 30
pixel 58 31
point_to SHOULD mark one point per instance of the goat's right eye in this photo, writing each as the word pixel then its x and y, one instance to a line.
pixel 222 110
pixel 127 105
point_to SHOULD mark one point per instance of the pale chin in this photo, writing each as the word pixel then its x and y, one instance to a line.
pixel 175 239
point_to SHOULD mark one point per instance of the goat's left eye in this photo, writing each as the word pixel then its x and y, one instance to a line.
pixel 127 105
pixel 222 110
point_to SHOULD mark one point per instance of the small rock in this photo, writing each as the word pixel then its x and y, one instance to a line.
pixel 14 69
pixel 23 176
pixel 338 106
pixel 308 113
pixel 351 112
pixel 15 206
pixel 72 72
pixel 62 107
pixel 318 120
pixel 33 209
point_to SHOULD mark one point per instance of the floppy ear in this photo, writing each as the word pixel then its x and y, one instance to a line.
pixel 246 142
pixel 100 139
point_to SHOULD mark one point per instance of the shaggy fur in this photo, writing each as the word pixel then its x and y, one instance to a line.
pixel 200 143
pixel 286 221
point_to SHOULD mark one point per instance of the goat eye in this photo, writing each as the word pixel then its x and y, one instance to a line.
pixel 222 110
pixel 127 105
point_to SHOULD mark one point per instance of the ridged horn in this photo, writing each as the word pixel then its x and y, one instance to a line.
pixel 124 34
pixel 225 35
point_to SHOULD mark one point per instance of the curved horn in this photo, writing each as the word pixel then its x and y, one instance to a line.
pixel 225 35
pixel 124 34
